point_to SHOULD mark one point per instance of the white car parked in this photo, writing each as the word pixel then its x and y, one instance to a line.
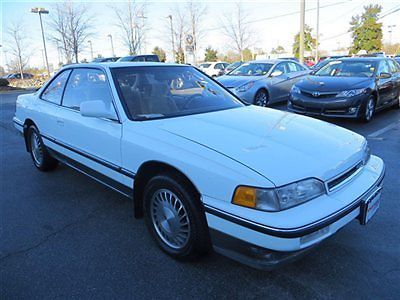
pixel 213 69
pixel 259 185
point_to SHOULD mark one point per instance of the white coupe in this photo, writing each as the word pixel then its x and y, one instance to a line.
pixel 204 169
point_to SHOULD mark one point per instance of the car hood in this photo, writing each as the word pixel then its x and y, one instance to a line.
pixel 332 84
pixel 229 81
pixel 281 146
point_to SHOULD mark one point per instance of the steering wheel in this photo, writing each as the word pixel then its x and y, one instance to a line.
pixel 191 99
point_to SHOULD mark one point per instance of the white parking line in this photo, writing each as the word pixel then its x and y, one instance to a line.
pixel 383 130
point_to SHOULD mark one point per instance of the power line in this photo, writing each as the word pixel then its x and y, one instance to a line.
pixel 387 13
pixel 282 15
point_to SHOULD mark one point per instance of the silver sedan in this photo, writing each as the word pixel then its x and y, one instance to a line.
pixel 264 82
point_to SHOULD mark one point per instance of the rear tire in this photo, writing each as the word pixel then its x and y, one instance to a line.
pixel 39 153
pixel 175 217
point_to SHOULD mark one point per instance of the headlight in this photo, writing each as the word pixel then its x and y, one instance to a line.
pixel 295 90
pixel 277 199
pixel 245 87
pixel 351 93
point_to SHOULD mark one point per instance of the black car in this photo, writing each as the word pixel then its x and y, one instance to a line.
pixel 105 59
pixel 349 88
pixel 18 76
pixel 137 58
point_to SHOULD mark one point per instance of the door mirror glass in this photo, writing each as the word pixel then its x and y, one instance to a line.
pixel 276 73
pixel 385 75
pixel 97 109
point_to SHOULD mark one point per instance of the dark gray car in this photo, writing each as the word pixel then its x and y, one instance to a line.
pixel 264 82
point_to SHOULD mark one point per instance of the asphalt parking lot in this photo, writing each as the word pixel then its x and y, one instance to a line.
pixel 64 235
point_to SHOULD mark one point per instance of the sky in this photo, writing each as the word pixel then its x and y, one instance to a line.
pixel 268 22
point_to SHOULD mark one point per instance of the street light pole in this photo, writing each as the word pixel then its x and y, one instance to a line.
pixel 172 37
pixel 91 48
pixel 40 11
pixel 317 38
pixel 112 45
pixel 301 37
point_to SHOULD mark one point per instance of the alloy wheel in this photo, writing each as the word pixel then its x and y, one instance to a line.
pixel 261 99
pixel 369 109
pixel 170 218
pixel 36 148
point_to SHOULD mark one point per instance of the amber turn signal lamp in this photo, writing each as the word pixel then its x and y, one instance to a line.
pixel 245 196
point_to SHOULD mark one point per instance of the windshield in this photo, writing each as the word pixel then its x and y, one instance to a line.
pixel 158 92
pixel 341 68
pixel 251 69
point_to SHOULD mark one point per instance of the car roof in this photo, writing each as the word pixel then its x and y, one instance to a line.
pixel 364 58
pixel 122 64
pixel 270 61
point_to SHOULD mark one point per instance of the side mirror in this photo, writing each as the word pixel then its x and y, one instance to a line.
pixel 97 109
pixel 276 73
pixel 384 75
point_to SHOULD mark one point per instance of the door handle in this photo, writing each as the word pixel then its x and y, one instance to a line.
pixel 60 122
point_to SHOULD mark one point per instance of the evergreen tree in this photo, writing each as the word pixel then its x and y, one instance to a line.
pixel 366 31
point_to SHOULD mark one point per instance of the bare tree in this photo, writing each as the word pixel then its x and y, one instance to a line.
pixel 237 29
pixel 71 28
pixel 196 11
pixel 18 46
pixel 131 21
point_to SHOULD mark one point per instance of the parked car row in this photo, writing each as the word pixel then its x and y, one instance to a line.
pixel 342 87
pixel 129 58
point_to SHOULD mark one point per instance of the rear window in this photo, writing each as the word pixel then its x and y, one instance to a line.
pixel 153 58
pixel 205 66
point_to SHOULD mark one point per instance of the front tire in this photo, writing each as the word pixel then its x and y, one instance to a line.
pixel 175 217
pixel 396 105
pixel 39 153
pixel 369 110
pixel 261 98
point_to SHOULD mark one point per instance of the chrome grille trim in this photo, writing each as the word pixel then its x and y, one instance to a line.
pixel 342 179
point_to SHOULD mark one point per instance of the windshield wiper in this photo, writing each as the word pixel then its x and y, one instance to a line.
pixel 148 117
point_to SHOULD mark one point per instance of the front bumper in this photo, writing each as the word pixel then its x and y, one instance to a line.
pixel 266 248
pixel 330 107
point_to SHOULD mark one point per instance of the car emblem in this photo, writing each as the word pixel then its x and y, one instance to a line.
pixel 321 83
pixel 316 94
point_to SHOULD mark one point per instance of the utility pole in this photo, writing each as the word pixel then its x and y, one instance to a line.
pixel 143 37
pixel 91 48
pixel 40 11
pixel 112 45
pixel 172 37
pixel 302 21
pixel 390 29
pixel 317 38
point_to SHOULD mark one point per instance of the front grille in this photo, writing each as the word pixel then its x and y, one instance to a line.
pixel 319 95
pixel 342 178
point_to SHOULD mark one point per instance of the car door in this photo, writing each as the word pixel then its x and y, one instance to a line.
pixel 93 142
pixel 384 85
pixel 279 83
pixel 47 109
pixel 395 71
